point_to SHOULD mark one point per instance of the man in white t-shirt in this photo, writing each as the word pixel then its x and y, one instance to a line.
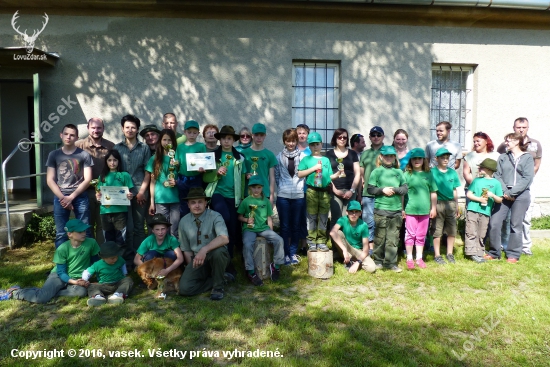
pixel 521 126
pixel 442 131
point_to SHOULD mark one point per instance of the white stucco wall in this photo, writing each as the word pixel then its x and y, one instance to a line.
pixel 239 72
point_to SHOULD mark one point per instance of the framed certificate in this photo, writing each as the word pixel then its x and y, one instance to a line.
pixel 114 195
pixel 197 160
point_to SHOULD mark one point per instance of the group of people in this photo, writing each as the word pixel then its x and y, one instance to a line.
pixel 369 193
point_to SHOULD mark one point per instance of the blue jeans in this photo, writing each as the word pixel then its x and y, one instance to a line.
pixel 249 240
pixel 184 183
pixel 290 217
pixel 53 287
pixel 61 215
pixel 226 207
pixel 368 215
pixel 151 254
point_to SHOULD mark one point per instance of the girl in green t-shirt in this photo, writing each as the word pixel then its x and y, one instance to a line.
pixel 163 168
pixel 420 205
pixel 114 217
pixel 387 184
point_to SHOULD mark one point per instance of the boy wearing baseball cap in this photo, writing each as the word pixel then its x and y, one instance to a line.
pixel 72 257
pixel 112 276
pixel 319 175
pixel 447 181
pixel 261 161
pixel 483 192
pixel 188 179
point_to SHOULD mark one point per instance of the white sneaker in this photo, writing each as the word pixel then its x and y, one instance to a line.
pixel 295 259
pixel 116 298
pixel 98 300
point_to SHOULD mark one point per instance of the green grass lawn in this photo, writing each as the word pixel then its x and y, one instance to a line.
pixel 468 314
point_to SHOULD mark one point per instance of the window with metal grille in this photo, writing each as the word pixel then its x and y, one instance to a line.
pixel 452 100
pixel 316 98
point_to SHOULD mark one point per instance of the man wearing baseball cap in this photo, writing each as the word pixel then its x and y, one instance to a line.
pixel 368 164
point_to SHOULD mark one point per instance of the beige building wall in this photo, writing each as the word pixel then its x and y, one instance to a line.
pixel 240 72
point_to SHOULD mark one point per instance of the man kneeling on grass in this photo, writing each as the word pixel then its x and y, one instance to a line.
pixel 203 236
pixel 351 235
pixel 111 274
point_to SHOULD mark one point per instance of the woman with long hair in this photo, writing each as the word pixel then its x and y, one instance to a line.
pixel 515 171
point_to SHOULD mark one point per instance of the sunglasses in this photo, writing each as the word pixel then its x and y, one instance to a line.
pixel 245 136
pixel 375 135
pixel 342 138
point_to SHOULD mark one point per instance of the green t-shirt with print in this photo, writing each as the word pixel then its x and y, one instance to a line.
pixel 181 152
pixel 421 184
pixel 115 179
pixel 368 162
pixel 163 194
pixel 476 187
pixel 326 170
pixel 150 243
pixel 266 161
pixel 106 273
pixel 77 259
pixel 226 184
pixel 354 234
pixel 387 177
pixel 261 213
pixel 446 183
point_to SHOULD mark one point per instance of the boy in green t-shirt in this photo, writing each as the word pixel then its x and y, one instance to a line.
pixel 159 244
pixel 447 181
pixel 261 162
pixel 351 235
pixel 188 179
pixel 256 211
pixel 483 192
pixel 319 177
pixel 112 276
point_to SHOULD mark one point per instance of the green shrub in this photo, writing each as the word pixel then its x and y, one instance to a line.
pixel 541 222
pixel 40 228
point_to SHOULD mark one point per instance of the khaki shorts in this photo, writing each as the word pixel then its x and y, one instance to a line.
pixel 445 220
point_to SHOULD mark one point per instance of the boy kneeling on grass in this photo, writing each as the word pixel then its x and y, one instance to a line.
pixel 351 235
pixel 255 211
pixel 112 276
pixel 483 192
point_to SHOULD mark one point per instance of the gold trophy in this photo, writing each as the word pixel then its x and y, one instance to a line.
pixel 484 195
pixel 254 165
pixel 227 161
pixel 160 288
pixel 172 166
pixel 251 214
pixel 95 184
pixel 341 166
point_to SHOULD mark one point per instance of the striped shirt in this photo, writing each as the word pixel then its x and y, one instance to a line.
pixel 134 160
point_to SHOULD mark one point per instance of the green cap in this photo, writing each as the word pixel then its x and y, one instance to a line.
pixel 388 150
pixel 258 128
pixel 314 137
pixel 354 205
pixel 255 180
pixel 76 225
pixel 489 164
pixel 191 124
pixel 418 153
pixel 442 151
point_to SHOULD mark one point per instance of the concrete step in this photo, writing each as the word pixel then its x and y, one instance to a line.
pixel 17 234
pixel 18 219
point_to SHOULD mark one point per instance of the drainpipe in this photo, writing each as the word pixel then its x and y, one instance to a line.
pixel 510 4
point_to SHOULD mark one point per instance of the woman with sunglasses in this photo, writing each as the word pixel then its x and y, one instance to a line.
pixel 344 160
pixel 245 139
pixel 483 148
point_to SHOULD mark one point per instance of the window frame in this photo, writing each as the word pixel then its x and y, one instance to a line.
pixel 466 136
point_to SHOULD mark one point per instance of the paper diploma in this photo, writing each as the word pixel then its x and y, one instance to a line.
pixel 114 195
pixel 197 160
